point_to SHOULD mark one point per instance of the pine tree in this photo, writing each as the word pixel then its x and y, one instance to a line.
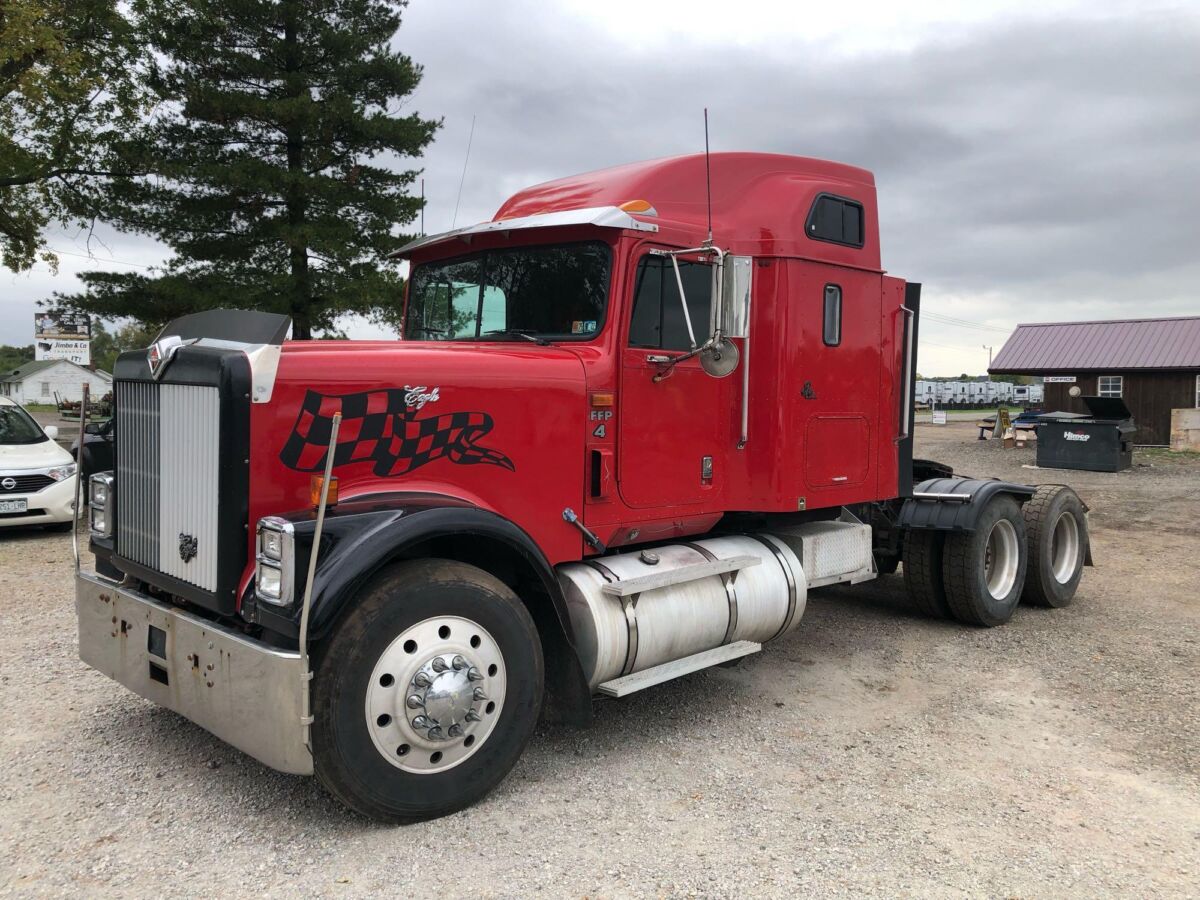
pixel 274 161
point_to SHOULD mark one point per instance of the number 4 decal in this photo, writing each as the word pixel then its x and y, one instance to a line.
pixel 599 431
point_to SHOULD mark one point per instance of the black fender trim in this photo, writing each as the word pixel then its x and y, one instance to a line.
pixel 954 504
pixel 363 535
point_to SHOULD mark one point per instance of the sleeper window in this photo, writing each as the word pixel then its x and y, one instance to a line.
pixel 833 315
pixel 836 219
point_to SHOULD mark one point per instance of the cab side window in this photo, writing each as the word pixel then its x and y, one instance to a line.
pixel 658 321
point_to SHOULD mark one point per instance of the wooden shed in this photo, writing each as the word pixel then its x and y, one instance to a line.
pixel 1151 364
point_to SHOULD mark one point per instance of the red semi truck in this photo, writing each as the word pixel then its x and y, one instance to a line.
pixel 625 432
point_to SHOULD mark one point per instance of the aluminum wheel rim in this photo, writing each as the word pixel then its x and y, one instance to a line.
pixel 435 694
pixel 1001 559
pixel 1064 548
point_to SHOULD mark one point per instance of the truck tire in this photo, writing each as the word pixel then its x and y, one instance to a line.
pixel 427 692
pixel 1057 538
pixel 923 572
pixel 984 569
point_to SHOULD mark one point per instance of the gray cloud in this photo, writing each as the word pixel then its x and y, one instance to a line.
pixel 1026 171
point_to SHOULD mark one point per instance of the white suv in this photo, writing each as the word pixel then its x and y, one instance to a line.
pixel 37 477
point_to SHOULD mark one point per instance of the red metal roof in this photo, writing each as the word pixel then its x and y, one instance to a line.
pixel 760 201
pixel 1043 349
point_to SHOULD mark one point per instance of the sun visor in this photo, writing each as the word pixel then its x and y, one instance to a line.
pixel 599 216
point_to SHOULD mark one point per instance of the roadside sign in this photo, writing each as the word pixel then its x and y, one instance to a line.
pixel 62 337
pixel 939 417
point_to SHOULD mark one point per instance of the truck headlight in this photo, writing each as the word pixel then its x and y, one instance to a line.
pixel 99 485
pixel 275 561
pixel 269 582
pixel 99 491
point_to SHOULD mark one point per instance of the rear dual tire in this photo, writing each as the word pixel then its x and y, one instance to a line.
pixel 984 569
pixel 923 572
pixel 1057 538
pixel 975 577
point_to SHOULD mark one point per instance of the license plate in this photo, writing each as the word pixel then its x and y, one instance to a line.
pixel 13 506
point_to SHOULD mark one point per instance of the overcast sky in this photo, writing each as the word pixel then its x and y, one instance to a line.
pixel 1031 165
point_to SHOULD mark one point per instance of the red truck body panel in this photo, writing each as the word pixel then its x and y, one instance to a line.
pixel 823 420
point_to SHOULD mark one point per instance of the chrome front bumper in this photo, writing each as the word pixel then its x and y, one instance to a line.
pixel 246 693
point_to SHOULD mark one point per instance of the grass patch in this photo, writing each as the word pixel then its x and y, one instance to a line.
pixel 1164 453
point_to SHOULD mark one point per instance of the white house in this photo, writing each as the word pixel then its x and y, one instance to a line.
pixel 38 382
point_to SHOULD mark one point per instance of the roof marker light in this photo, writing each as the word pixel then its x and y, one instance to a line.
pixel 638 206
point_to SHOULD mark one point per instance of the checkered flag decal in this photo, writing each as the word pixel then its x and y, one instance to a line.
pixel 379 427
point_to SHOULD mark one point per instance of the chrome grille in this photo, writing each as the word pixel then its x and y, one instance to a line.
pixel 189 469
pixel 136 406
pixel 167 468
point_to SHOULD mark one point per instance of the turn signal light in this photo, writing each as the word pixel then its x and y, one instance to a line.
pixel 314 490
pixel 602 401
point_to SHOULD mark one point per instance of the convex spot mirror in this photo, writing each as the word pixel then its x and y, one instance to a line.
pixel 730 315
pixel 729 305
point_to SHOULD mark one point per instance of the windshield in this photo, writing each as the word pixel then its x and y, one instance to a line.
pixel 16 427
pixel 559 293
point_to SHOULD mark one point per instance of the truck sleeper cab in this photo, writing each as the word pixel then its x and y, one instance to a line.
pixel 609 449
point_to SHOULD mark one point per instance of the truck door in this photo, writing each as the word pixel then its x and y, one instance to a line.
pixel 672 431
pixel 836 315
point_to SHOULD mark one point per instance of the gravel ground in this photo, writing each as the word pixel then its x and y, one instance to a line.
pixel 870 753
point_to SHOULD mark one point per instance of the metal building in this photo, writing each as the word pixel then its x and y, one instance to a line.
pixel 1152 364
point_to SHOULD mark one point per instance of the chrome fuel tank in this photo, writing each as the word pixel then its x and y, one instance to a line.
pixel 631 611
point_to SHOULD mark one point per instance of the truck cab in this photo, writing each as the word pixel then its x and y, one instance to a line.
pixel 629 423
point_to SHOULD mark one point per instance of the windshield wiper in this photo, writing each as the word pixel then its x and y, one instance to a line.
pixel 525 333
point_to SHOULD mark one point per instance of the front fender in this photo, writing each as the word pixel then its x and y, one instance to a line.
pixel 954 504
pixel 363 535
pixel 360 536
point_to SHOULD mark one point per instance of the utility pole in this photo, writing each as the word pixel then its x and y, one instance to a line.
pixel 989 350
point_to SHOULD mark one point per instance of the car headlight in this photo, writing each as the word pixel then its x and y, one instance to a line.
pixel 61 473
pixel 275 561
pixel 99 492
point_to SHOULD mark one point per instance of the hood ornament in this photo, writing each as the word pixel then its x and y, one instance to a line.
pixel 163 351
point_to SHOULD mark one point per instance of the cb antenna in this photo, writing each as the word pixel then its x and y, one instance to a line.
pixel 466 160
pixel 707 176
pixel 422 207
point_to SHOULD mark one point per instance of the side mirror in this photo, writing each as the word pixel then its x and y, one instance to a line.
pixel 729 312
pixel 735 298
pixel 94 428
pixel 730 315
pixel 51 432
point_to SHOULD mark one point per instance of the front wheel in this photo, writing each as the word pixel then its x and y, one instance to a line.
pixel 427 693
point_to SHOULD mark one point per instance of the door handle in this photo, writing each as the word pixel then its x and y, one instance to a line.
pixel 658 358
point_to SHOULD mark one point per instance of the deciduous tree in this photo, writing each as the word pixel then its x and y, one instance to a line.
pixel 68 92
